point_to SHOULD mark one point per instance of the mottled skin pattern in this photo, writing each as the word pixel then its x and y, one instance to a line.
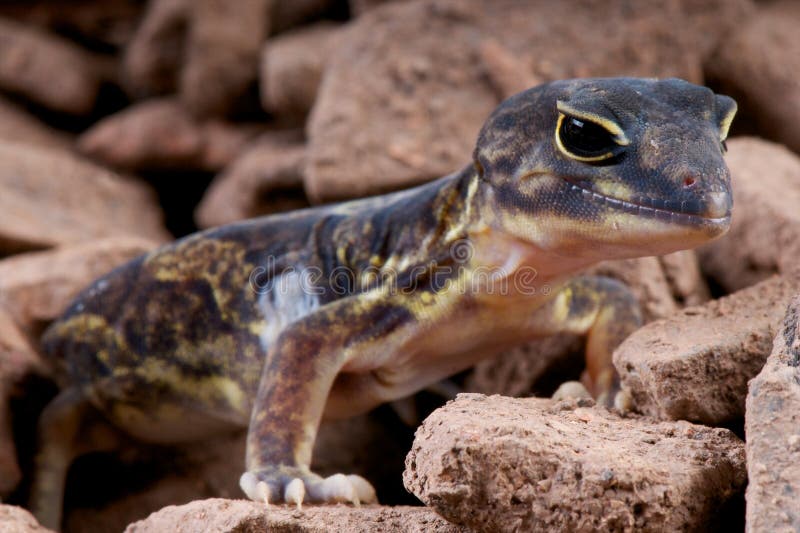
pixel 213 332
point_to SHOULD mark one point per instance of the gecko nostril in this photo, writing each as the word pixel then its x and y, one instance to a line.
pixel 689 182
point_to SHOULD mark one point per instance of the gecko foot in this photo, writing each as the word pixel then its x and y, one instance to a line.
pixel 570 390
pixel 291 484
pixel 617 398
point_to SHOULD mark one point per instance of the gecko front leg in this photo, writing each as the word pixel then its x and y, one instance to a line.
pixel 295 383
pixel 606 312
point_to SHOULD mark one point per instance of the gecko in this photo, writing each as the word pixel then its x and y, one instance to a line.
pixel 274 323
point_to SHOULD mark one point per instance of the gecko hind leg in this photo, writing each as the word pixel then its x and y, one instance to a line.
pixel 68 427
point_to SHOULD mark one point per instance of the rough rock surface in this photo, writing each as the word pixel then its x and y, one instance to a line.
pixel 211 469
pixel 764 238
pixel 50 197
pixel 772 425
pixel 682 270
pixel 267 177
pixel 17 520
pixel 18 126
pixel 105 23
pixel 161 134
pixel 291 67
pixel 385 116
pixel 757 66
pixel 518 371
pixel 229 516
pixel 36 287
pixel 17 359
pixel 206 49
pixel 46 69
pixel 223 49
pixel 695 364
pixel 358 7
pixel 287 15
pixel 153 57
pixel 661 284
pixel 505 464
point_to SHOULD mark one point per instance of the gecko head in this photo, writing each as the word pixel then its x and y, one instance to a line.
pixel 609 167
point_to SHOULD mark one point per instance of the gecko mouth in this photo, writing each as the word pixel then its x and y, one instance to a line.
pixel 651 211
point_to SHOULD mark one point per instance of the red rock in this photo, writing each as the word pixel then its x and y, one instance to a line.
pixel 17 360
pixel 506 72
pixel 358 7
pixel 223 49
pixel 221 45
pixel 47 69
pixel 695 364
pixel 153 57
pixel 412 115
pixel 49 197
pixel 291 67
pixel 18 126
pixel 36 287
pixel 518 371
pixel 505 464
pixel 107 23
pixel 685 279
pixel 406 90
pixel 287 15
pixel 160 134
pixel 266 178
pixel 757 65
pixel 228 516
pixel 18 520
pixel 772 425
pixel 764 238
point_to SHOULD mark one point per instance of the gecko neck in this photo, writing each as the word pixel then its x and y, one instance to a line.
pixel 495 247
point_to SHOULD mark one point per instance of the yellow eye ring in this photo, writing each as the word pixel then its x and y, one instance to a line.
pixel 600 125
pixel 572 155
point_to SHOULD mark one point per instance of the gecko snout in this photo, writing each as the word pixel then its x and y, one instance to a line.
pixel 718 204
pixel 702 192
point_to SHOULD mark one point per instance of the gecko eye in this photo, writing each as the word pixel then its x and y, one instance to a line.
pixel 584 140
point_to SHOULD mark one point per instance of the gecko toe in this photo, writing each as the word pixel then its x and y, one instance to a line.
pixel 295 492
pixel 570 390
pixel 333 489
pixel 364 489
pixel 295 485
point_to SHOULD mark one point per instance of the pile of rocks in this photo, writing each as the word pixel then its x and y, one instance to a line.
pixel 115 115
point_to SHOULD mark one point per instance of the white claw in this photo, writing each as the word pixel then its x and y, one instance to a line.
pixel 262 492
pixel 295 492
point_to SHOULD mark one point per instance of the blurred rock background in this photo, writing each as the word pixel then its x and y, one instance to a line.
pixel 125 123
